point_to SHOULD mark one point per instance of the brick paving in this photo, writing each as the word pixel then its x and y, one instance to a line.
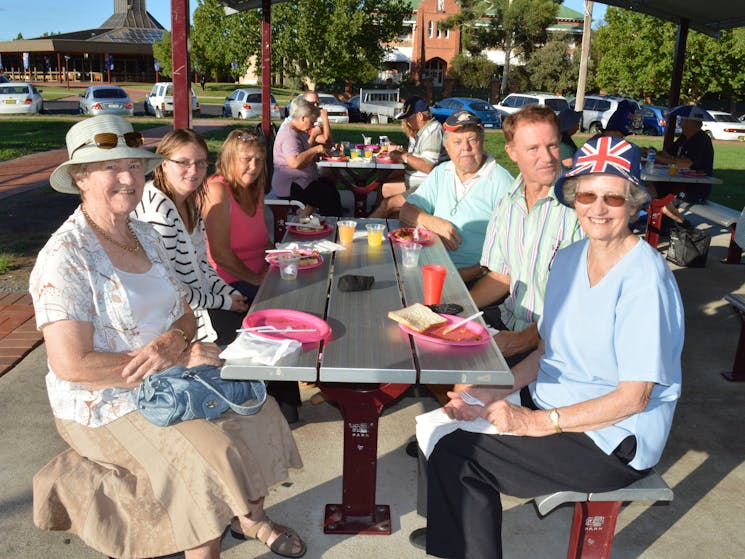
pixel 18 334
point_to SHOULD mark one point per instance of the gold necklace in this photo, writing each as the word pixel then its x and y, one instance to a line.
pixel 108 237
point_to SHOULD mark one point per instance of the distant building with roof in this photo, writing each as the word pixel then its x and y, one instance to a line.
pixel 426 51
pixel 121 46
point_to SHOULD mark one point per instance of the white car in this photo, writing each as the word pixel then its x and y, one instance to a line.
pixel 20 98
pixel 246 103
pixel 724 127
pixel 516 101
pixel 337 112
pixel 159 102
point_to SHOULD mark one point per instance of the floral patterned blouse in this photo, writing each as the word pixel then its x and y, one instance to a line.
pixel 73 279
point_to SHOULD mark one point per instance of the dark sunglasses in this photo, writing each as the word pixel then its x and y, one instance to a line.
pixel 612 200
pixel 249 137
pixel 109 140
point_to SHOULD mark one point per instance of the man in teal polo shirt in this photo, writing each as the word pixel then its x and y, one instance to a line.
pixel 458 197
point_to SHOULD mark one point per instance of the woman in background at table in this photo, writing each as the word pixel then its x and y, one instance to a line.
pixel 296 176
pixel 172 203
pixel 237 237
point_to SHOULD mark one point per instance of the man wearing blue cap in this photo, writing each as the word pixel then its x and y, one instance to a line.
pixel 423 154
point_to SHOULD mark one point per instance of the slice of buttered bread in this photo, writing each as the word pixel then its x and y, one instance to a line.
pixel 417 317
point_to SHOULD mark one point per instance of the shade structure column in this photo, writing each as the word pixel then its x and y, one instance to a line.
pixel 180 64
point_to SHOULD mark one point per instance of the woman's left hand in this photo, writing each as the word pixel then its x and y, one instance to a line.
pixel 202 353
pixel 164 351
pixel 509 418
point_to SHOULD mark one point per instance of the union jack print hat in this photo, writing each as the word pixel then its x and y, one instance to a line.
pixel 604 154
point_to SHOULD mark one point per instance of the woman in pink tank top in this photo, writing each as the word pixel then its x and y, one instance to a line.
pixel 233 212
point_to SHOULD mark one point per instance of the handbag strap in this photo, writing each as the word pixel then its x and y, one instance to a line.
pixel 237 408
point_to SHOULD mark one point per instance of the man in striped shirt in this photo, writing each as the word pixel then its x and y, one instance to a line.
pixel 526 230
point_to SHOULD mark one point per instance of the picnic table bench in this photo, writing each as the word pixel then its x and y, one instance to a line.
pixel 595 514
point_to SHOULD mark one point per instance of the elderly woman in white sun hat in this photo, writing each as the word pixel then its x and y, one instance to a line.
pixel 112 313
pixel 598 395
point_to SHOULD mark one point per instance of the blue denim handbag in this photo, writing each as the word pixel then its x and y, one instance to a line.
pixel 179 394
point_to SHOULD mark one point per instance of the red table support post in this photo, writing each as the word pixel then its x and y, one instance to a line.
pixel 654 219
pixel 361 408
pixel 593 527
pixel 734 251
pixel 737 374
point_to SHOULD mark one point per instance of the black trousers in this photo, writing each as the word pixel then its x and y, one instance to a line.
pixel 321 194
pixel 467 472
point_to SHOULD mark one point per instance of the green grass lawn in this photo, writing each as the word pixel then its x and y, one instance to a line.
pixel 26 135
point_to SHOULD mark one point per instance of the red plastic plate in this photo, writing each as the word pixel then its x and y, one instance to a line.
pixel 470 334
pixel 425 237
pixel 327 228
pixel 273 258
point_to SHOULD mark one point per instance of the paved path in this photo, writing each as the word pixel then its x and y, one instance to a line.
pixel 18 334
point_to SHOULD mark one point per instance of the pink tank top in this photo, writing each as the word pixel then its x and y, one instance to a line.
pixel 248 237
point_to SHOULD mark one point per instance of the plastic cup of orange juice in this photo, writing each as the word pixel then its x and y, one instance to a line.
pixel 346 230
pixel 375 234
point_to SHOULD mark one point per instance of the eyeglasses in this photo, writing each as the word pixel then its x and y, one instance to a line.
pixel 612 200
pixel 109 140
pixel 184 164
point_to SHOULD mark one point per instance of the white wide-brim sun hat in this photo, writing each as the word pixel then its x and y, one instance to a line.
pixel 81 148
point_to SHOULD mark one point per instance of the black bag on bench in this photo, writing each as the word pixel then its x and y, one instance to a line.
pixel 688 247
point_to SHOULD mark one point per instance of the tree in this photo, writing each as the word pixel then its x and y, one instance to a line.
pixel 473 70
pixel 162 53
pixel 19 37
pixel 551 68
pixel 331 40
pixel 516 26
pixel 635 54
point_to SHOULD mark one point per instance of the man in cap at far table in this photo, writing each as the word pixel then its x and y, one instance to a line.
pixel 424 153
pixel 528 227
pixel 457 199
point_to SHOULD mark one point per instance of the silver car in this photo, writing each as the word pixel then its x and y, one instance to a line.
pixel 246 103
pixel 20 98
pixel 106 100
pixel 337 112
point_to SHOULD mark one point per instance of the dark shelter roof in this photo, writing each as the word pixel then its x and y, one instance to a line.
pixel 706 16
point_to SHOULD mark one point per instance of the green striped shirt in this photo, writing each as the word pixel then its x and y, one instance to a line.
pixel 522 245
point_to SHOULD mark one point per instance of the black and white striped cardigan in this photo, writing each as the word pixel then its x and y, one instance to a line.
pixel 188 256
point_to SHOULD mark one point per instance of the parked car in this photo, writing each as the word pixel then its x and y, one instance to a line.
pixel 4 78
pixel 515 101
pixel 246 103
pixel 353 109
pixel 336 110
pixel 106 100
pixel 724 127
pixel 159 102
pixel 489 115
pixel 20 98
pixel 599 108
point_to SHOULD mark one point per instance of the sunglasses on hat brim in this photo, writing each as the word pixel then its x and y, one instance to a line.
pixel 110 140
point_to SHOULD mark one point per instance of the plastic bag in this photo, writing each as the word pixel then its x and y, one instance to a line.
pixel 260 349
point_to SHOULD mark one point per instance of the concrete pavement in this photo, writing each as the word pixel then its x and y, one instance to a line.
pixel 703 462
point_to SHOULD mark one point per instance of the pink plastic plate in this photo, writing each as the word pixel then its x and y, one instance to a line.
pixel 380 159
pixel 470 334
pixel 374 147
pixel 327 228
pixel 273 258
pixel 405 235
pixel 690 173
pixel 286 318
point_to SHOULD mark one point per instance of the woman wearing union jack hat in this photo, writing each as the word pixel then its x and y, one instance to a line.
pixel 592 407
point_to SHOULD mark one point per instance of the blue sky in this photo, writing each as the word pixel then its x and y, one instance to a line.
pixel 34 17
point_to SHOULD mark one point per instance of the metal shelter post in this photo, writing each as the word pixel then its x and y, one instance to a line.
pixel 677 79
pixel 180 64
pixel 266 67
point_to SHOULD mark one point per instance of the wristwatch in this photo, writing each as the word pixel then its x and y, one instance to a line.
pixel 406 161
pixel 553 415
pixel 484 271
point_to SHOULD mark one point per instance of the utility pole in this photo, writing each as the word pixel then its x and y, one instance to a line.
pixel 586 38
pixel 503 90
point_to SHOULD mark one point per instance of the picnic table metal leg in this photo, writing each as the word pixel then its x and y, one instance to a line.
pixel 361 407
pixel 737 374
pixel 593 526
pixel 734 252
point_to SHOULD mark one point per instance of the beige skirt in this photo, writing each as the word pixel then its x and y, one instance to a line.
pixel 131 489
